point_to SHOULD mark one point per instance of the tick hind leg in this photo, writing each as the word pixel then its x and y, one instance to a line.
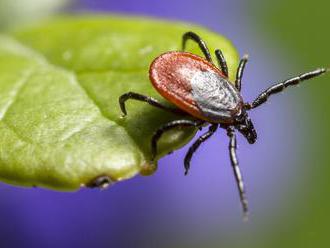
pixel 195 146
pixel 282 85
pixel 136 96
pixel 236 169
pixel 167 127
pixel 202 45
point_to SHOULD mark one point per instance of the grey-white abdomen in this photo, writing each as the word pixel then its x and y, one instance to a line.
pixel 216 97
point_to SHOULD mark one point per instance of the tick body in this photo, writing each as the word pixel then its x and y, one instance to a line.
pixel 196 86
pixel 200 89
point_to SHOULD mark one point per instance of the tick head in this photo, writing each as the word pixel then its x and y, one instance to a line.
pixel 245 126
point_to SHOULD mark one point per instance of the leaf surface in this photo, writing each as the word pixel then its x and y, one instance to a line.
pixel 60 82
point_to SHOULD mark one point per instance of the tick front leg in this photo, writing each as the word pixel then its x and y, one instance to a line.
pixel 195 146
pixel 236 169
pixel 281 86
pixel 171 125
pixel 202 45
pixel 222 62
pixel 152 101
pixel 240 71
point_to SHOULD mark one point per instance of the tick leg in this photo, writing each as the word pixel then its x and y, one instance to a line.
pixel 168 126
pixel 281 86
pixel 192 36
pixel 136 96
pixel 236 169
pixel 222 62
pixel 240 71
pixel 195 146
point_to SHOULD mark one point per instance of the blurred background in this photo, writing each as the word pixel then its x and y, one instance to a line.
pixel 287 171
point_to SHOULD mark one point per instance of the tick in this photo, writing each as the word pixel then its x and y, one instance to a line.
pixel 200 89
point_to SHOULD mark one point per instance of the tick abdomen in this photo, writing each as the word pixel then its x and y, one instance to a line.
pixel 195 86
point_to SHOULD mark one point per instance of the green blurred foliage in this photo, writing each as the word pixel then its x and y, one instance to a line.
pixel 17 12
pixel 301 30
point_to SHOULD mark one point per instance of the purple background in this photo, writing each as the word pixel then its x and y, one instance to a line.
pixel 167 208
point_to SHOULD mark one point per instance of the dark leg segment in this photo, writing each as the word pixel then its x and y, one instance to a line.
pixel 136 96
pixel 168 126
pixel 236 169
pixel 192 36
pixel 195 146
pixel 240 71
pixel 222 62
pixel 281 86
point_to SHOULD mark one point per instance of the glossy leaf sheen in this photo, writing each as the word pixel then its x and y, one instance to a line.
pixel 60 80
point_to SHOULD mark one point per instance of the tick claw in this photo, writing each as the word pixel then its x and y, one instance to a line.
pixel 245 217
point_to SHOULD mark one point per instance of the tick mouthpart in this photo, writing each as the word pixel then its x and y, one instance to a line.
pixel 251 139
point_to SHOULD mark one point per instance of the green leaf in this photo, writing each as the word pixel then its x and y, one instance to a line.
pixel 60 81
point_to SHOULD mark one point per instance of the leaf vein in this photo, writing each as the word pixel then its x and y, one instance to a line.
pixel 15 93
